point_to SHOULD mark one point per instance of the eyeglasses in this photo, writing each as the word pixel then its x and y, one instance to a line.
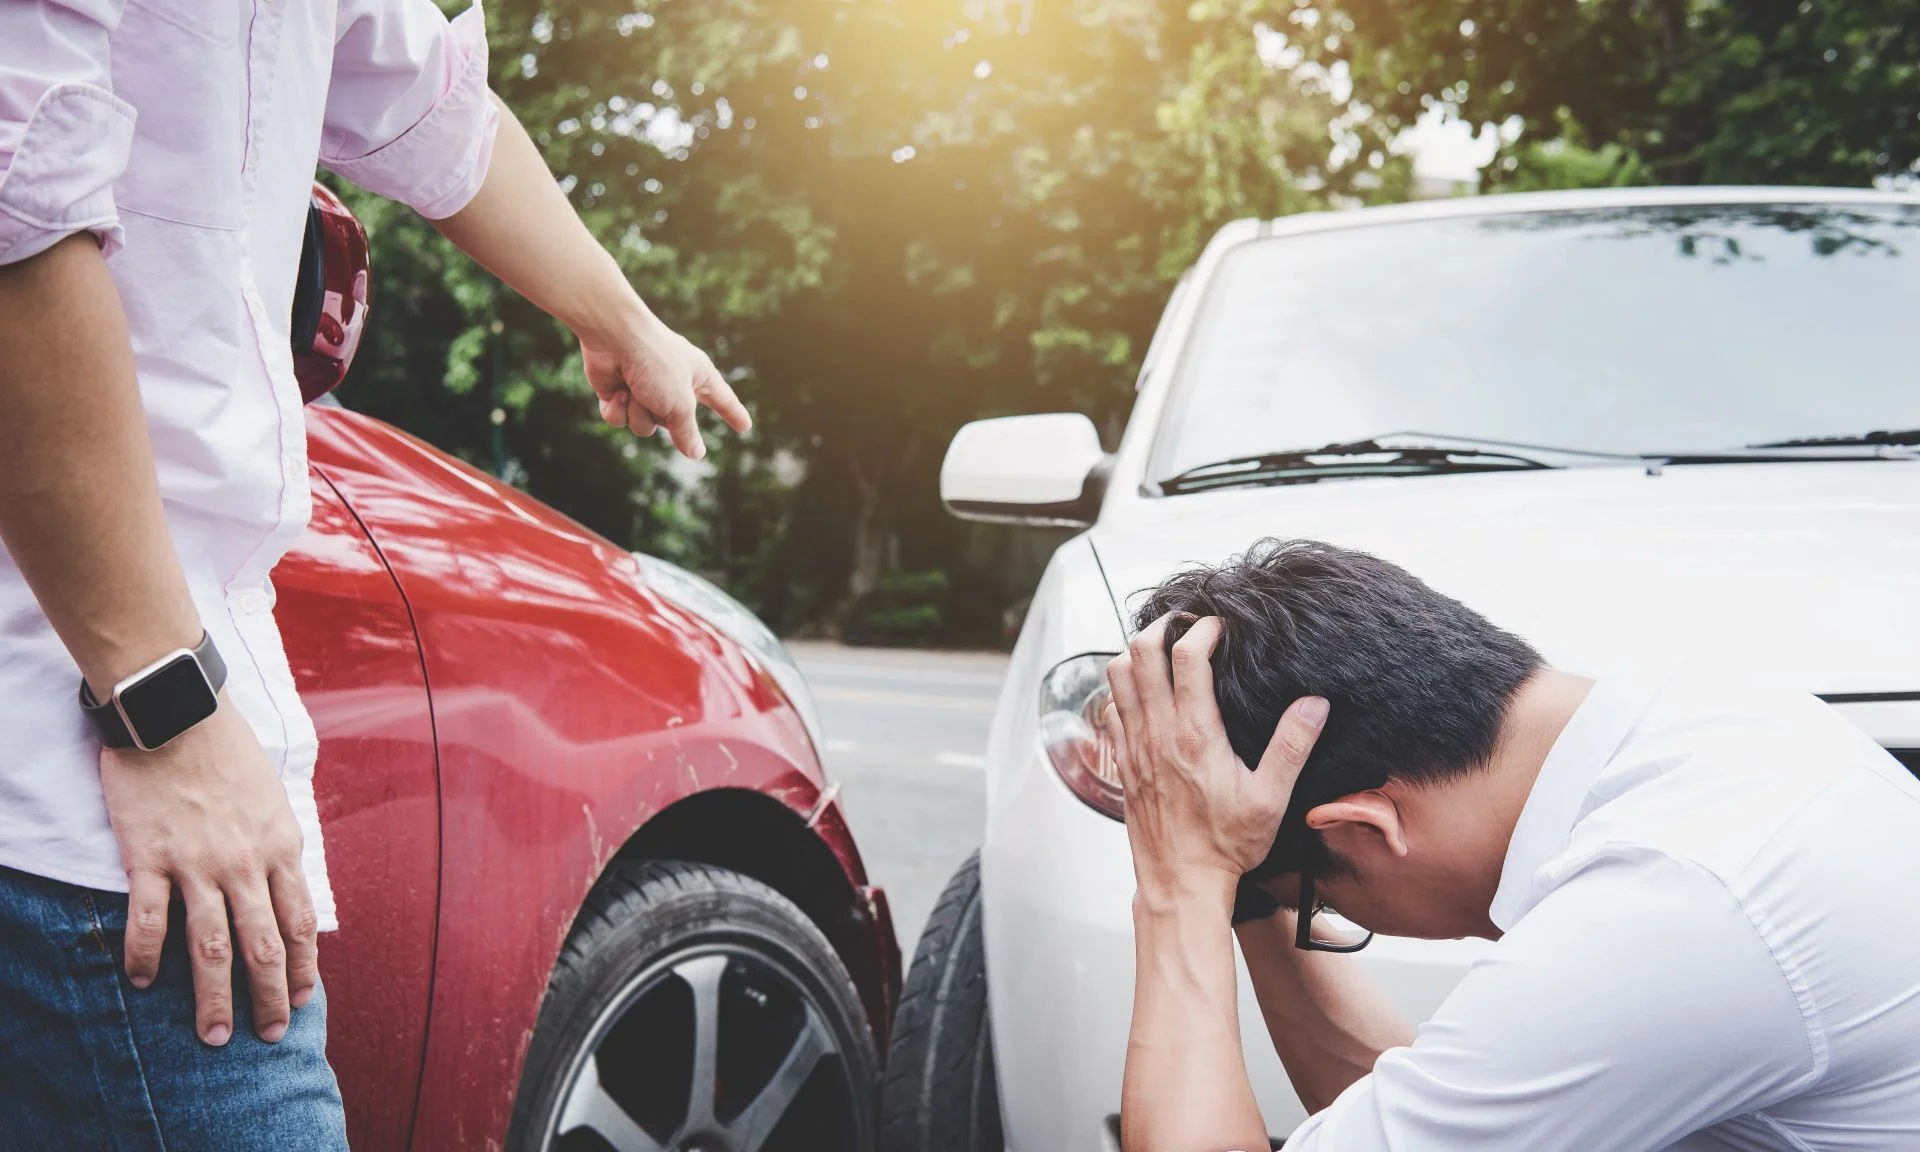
pixel 1311 938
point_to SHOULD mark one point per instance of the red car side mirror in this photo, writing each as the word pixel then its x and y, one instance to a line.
pixel 329 296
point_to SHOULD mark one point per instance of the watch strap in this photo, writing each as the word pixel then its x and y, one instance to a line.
pixel 107 721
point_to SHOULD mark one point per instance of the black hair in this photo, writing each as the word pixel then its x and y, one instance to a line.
pixel 1418 682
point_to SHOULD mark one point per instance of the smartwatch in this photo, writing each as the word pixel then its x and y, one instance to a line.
pixel 159 702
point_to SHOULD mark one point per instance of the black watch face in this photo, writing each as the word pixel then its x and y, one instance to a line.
pixel 169 701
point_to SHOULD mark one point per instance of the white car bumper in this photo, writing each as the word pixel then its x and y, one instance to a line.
pixel 1058 886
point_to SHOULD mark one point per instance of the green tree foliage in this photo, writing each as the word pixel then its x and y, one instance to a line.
pixel 1690 91
pixel 883 218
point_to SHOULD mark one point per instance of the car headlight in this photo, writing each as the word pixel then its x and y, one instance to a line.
pixel 705 599
pixel 1073 698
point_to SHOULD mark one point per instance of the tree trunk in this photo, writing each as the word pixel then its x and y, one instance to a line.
pixel 869 542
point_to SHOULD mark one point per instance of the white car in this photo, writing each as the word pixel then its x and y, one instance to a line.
pixel 1618 423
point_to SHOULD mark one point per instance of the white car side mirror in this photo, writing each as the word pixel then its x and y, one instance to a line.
pixel 1045 469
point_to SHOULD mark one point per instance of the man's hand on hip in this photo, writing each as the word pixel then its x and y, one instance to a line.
pixel 80 514
pixel 207 815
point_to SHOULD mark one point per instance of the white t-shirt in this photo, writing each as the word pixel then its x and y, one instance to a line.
pixel 1711 941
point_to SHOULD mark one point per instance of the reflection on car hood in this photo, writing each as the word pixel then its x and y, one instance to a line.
pixel 1811 570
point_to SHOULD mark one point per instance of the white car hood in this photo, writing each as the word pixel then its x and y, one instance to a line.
pixel 1807 570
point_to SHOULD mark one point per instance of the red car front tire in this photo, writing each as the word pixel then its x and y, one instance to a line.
pixel 695 1008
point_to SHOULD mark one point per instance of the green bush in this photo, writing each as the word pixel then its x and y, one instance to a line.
pixel 905 608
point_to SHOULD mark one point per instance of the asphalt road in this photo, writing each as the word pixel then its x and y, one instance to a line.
pixel 905 733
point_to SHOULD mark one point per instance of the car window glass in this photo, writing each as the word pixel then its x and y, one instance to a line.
pixel 1620 329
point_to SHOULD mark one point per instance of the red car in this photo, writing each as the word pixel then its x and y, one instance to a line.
pixel 594 889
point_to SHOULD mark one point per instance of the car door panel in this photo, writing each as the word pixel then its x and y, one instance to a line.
pixel 350 639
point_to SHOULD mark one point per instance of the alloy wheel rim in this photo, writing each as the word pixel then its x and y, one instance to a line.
pixel 708 1049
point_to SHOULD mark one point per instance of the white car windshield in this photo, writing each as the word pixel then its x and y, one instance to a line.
pixel 1669 329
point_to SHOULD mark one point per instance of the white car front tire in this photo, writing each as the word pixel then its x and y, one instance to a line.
pixel 941 1093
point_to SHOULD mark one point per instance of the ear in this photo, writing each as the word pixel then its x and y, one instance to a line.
pixel 1367 812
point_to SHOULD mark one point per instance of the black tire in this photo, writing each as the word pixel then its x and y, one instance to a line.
pixel 941 1094
pixel 659 947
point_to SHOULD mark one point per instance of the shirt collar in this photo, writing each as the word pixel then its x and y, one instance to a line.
pixel 1559 795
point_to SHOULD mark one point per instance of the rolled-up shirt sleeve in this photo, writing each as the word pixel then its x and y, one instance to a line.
pixel 408 112
pixel 64 135
pixel 1635 1005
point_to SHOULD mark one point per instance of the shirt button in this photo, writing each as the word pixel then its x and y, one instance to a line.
pixel 295 473
pixel 252 602
pixel 253 157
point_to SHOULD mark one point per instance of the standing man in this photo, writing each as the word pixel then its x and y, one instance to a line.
pixel 1700 887
pixel 161 868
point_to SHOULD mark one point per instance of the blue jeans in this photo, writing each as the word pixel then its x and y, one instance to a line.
pixel 88 1061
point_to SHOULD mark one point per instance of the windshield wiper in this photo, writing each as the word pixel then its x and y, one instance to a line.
pixel 1909 436
pixel 1354 458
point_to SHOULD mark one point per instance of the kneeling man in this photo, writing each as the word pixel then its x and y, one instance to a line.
pixel 1702 889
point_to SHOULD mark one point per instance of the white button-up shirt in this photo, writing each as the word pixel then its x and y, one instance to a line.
pixel 1711 941
pixel 184 134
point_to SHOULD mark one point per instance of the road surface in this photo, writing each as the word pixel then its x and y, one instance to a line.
pixel 905 734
